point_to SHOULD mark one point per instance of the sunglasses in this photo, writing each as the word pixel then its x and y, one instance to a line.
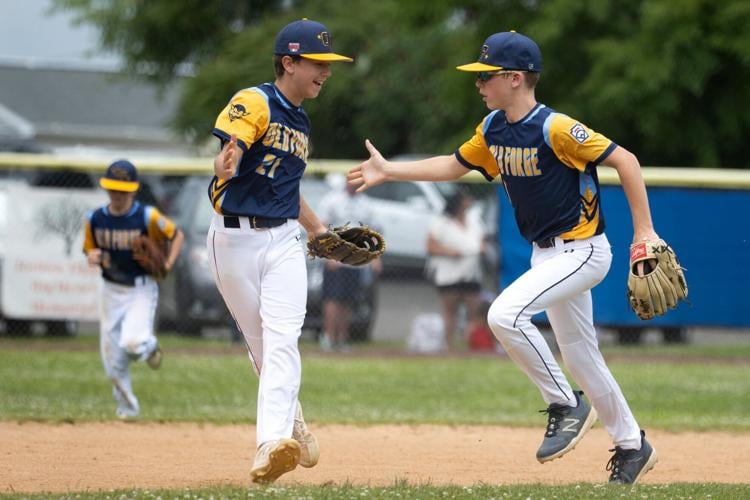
pixel 486 76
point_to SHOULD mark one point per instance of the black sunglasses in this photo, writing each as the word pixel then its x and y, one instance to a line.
pixel 486 76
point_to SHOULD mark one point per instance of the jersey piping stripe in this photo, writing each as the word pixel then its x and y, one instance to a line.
pixel 533 114
pixel 545 128
pixel 217 197
pixel 147 218
pixel 283 100
pixel 604 155
pixel 487 122
pixel 532 301
pixel 463 161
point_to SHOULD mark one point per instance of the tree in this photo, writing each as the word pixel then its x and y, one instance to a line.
pixel 666 79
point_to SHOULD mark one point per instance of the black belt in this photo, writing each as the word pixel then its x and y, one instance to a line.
pixel 137 280
pixel 233 221
pixel 549 242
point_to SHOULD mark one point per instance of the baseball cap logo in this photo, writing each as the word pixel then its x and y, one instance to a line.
pixel 119 173
pixel 293 47
pixel 484 52
pixel 324 38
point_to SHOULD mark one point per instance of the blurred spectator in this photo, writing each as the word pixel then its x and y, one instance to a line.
pixel 342 284
pixel 454 246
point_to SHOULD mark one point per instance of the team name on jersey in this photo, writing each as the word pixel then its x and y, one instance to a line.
pixel 286 139
pixel 515 161
pixel 115 239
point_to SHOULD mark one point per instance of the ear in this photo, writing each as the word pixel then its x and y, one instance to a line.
pixel 518 79
pixel 288 63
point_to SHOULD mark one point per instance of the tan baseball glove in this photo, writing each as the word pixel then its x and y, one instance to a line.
pixel 656 282
pixel 355 246
pixel 150 255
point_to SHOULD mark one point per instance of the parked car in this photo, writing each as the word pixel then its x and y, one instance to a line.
pixel 189 299
pixel 313 189
pixel 405 211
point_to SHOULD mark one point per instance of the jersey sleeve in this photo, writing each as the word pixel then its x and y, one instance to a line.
pixel 246 116
pixel 158 225
pixel 88 235
pixel 574 143
pixel 474 154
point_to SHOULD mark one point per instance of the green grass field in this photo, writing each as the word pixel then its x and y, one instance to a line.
pixel 688 388
pixel 405 491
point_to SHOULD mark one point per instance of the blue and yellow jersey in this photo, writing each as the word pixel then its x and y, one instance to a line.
pixel 114 234
pixel 273 135
pixel 547 162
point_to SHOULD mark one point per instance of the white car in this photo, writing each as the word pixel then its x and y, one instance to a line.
pixel 404 212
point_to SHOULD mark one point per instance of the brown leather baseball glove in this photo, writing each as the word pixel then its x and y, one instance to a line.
pixel 150 255
pixel 656 282
pixel 355 246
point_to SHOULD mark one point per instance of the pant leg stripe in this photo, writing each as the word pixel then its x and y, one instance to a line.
pixel 532 301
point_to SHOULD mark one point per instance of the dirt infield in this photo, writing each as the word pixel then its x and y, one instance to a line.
pixel 40 457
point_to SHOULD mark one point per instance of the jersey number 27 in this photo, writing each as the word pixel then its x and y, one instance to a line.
pixel 268 166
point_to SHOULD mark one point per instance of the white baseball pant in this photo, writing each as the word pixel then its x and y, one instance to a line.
pixel 262 277
pixel 560 282
pixel 126 332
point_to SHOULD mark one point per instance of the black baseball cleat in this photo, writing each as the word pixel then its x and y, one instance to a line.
pixel 628 466
pixel 566 426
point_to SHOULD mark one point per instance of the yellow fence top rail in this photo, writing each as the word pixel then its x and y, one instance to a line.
pixel 655 176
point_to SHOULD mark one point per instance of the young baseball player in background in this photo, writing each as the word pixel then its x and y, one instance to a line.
pixel 129 295
pixel 254 245
pixel 547 162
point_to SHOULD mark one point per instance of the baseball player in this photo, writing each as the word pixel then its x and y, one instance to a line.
pixel 254 245
pixel 129 295
pixel 547 162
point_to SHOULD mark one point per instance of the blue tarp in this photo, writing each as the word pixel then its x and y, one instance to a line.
pixel 710 232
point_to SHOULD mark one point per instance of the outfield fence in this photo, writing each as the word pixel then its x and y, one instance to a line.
pixel 47 288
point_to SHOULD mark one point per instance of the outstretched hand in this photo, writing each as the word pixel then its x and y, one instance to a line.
pixel 368 173
pixel 225 163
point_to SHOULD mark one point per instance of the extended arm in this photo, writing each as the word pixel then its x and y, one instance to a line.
pixel 377 170
pixel 629 172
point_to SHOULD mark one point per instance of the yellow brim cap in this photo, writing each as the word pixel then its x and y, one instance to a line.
pixel 327 57
pixel 114 185
pixel 477 66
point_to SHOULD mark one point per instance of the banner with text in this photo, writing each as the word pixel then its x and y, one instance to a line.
pixel 45 274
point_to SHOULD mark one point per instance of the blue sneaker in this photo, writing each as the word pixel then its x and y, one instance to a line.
pixel 565 428
pixel 628 466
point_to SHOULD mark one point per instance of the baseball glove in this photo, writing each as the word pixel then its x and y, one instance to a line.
pixel 150 255
pixel 355 246
pixel 655 281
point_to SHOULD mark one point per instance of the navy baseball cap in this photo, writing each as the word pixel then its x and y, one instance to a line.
pixel 507 50
pixel 308 39
pixel 121 176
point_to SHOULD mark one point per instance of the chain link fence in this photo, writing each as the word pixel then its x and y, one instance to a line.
pixel 49 290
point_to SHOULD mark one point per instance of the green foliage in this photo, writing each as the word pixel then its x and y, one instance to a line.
pixel 156 36
pixel 667 80
pixel 664 79
pixel 206 382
